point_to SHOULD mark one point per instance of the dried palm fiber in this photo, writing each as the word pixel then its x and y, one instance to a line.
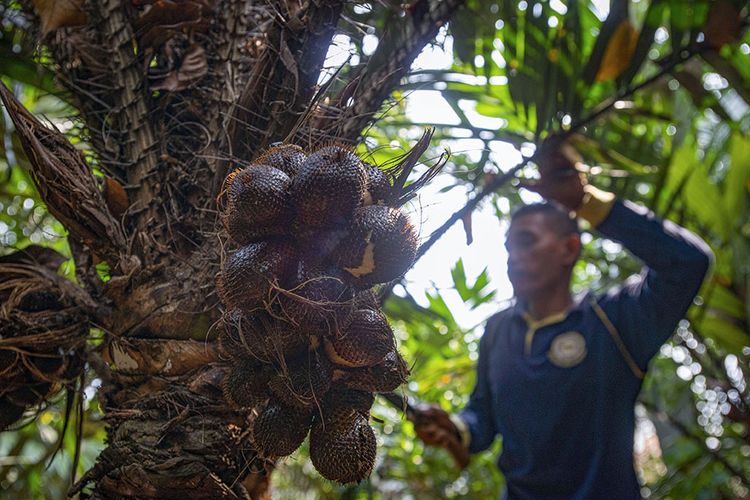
pixel 302 381
pixel 328 187
pixel 381 247
pixel 364 340
pixel 257 203
pixel 386 376
pixel 366 299
pixel 287 157
pixel 400 169
pixel 259 337
pixel 43 331
pixel 280 429
pixel 377 187
pixel 342 443
pixel 250 274
pixel 246 384
pixel 317 303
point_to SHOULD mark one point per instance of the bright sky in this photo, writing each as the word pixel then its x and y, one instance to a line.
pixel 487 250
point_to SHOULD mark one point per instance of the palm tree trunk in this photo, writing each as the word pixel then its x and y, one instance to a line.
pixel 172 96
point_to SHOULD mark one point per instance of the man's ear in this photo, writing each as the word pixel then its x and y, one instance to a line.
pixel 571 248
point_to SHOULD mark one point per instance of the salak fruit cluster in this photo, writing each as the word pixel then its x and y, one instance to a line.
pixel 307 340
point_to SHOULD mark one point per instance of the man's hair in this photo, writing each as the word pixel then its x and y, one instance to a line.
pixel 558 217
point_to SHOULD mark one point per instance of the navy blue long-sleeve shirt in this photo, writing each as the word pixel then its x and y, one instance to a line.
pixel 563 397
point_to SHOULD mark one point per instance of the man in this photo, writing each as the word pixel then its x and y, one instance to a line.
pixel 558 377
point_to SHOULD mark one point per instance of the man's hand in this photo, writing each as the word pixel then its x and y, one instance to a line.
pixel 434 426
pixel 559 181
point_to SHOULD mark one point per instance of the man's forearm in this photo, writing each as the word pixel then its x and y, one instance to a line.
pixel 676 264
pixel 663 246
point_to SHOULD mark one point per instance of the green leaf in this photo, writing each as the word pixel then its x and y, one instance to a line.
pixel 483 299
pixel 482 280
pixel 723 299
pixel 727 335
pixel 704 200
pixel 681 165
pixel 735 184
pixel 438 305
pixel 459 281
pixel 688 15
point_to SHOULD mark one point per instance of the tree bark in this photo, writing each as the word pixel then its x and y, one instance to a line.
pixel 172 96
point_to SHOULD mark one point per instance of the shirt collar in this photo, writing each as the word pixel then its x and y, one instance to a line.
pixel 579 300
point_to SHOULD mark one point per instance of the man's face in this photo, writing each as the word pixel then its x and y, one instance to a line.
pixel 539 256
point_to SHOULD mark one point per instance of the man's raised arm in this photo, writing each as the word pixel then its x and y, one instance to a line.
pixel 647 307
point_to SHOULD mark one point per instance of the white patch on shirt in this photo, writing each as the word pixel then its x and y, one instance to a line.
pixel 567 350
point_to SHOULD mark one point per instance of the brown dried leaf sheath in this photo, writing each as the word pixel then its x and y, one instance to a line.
pixel 192 68
pixel 56 14
pixel 166 18
pixel 65 182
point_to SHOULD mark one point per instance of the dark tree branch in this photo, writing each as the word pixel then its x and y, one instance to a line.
pixel 130 113
pixel 65 183
pixel 282 83
pixel 388 65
